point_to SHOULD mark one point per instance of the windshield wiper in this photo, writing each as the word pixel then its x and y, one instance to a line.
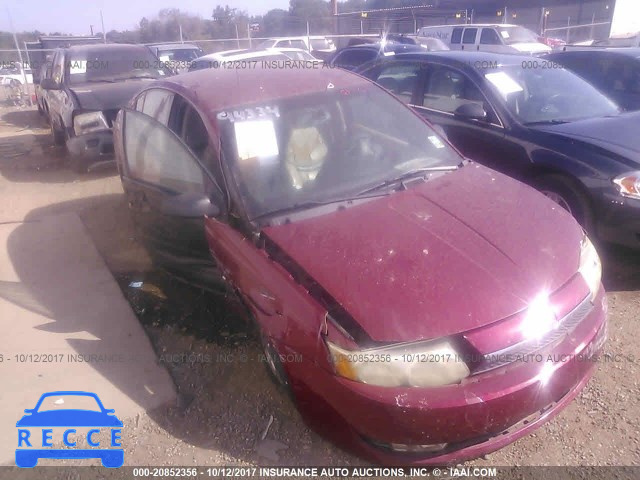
pixel 296 207
pixel 546 122
pixel 406 176
pixel 141 75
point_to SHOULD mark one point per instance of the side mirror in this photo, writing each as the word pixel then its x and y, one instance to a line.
pixel 49 84
pixel 189 205
pixel 471 111
pixel 28 410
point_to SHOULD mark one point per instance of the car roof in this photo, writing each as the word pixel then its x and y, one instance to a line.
pixel 466 58
pixel 474 25
pixel 390 46
pixel 626 51
pixel 241 54
pixel 173 46
pixel 255 85
pixel 105 46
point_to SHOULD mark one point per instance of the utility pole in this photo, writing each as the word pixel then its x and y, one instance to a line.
pixel 25 87
pixel 104 34
pixel 91 28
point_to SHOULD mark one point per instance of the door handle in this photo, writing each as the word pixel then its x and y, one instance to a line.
pixel 265 302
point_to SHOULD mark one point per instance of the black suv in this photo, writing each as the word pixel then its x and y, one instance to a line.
pixel 87 87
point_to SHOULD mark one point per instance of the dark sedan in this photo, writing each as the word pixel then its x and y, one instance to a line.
pixel 542 125
pixel 614 71
pixel 419 308
pixel 354 56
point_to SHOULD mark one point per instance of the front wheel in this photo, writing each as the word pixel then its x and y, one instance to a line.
pixel 564 192
pixel 274 364
pixel 57 136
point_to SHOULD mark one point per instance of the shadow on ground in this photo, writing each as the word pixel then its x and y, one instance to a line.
pixel 27 152
pixel 228 408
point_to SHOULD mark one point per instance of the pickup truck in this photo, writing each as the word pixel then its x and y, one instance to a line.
pixel 88 86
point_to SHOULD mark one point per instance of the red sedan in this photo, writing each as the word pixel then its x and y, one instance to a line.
pixel 419 308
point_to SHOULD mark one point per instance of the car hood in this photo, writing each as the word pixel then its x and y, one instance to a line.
pixel 69 418
pixel 458 252
pixel 617 134
pixel 108 96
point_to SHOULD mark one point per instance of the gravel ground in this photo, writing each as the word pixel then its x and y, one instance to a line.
pixel 229 411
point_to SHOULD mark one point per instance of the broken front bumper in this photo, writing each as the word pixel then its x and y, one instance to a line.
pixel 93 147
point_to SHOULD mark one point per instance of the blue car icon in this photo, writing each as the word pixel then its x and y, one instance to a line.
pixel 39 416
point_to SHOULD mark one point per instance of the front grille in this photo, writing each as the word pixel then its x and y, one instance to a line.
pixel 522 350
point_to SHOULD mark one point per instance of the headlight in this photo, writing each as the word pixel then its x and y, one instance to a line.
pixel 89 122
pixel 629 184
pixel 423 364
pixel 590 266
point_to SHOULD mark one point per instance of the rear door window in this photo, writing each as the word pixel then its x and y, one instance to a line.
pixel 456 35
pixel 469 36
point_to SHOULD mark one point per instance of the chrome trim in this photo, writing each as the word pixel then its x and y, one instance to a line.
pixel 508 355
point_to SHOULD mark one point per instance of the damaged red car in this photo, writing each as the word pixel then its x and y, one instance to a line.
pixel 419 308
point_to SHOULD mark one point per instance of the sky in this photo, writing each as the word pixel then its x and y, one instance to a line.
pixel 76 16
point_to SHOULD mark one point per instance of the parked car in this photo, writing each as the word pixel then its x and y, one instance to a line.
pixel 15 75
pixel 88 85
pixel 496 38
pixel 614 71
pixel 176 56
pixel 241 58
pixel 354 56
pixel 381 267
pixel 432 44
pixel 542 125
pixel 313 43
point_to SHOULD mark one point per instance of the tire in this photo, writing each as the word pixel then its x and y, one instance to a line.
pixel 566 193
pixel 274 365
pixel 57 136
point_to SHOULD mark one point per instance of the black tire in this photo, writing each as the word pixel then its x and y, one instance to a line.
pixel 568 194
pixel 274 365
pixel 57 136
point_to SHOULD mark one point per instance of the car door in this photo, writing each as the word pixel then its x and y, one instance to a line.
pixel 166 152
pixel 456 38
pixel 469 39
pixel 56 99
pixel 490 41
pixel 443 91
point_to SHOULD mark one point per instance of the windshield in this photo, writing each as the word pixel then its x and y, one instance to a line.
pixel 325 146
pixel 511 35
pixel 179 55
pixel 103 65
pixel 536 95
pixel 69 402
pixel 269 43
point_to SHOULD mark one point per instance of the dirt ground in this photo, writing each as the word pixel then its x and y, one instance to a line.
pixel 229 412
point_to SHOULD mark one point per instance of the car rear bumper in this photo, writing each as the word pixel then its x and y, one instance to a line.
pixel 474 418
